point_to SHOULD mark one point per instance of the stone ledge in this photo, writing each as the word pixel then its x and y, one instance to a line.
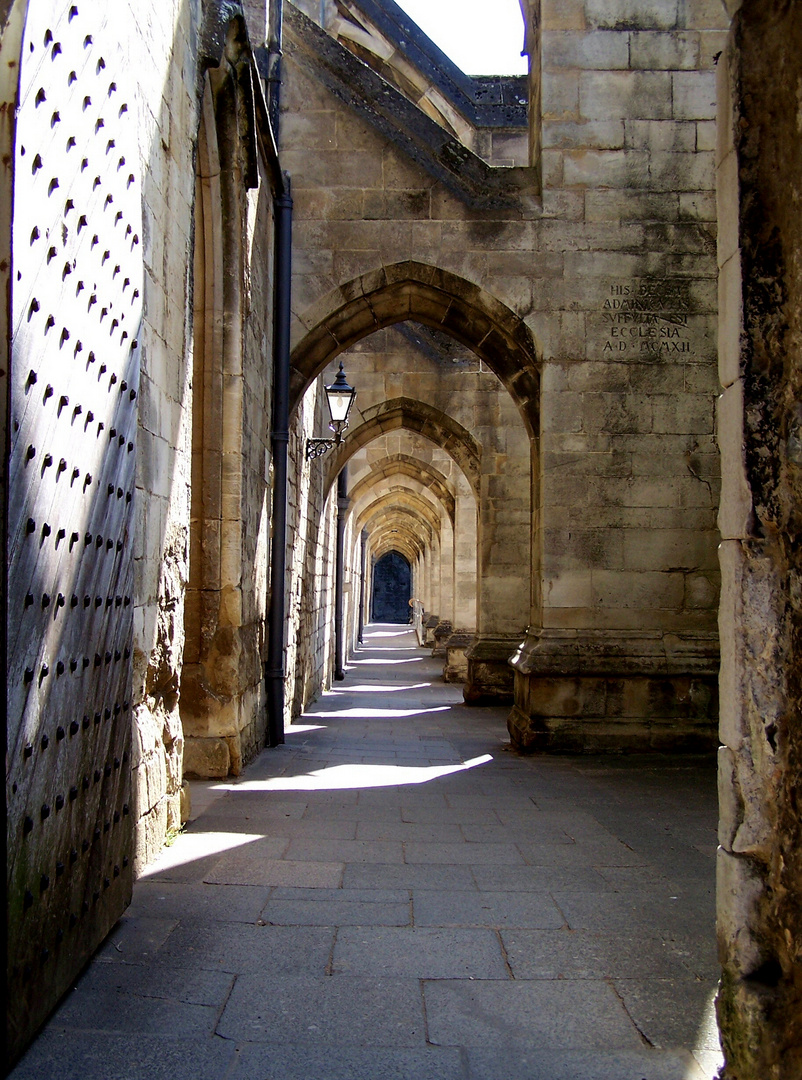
pixel 616 653
pixel 609 735
pixel 490 678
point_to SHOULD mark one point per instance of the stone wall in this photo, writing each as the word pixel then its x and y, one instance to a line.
pixel 606 291
pixel 760 433
pixel 311 530
pixel 162 42
pixel 222 691
pixel 203 499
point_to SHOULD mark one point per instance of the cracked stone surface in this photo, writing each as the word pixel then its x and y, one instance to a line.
pixel 395 893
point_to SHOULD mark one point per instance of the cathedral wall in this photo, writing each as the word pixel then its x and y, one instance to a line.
pixel 312 531
pixel 202 541
pixel 222 690
pixel 614 273
pixel 162 41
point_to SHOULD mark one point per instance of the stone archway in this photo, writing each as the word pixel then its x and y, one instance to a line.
pixel 416 416
pixel 436 298
pixel 502 344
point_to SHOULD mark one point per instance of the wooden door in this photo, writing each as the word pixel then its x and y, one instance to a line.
pixel 76 307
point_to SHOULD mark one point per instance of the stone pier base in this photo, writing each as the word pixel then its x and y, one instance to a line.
pixel 490 679
pixel 456 666
pixel 441 633
pixel 590 693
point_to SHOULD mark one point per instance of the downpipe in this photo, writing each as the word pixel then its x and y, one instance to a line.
pixel 339 629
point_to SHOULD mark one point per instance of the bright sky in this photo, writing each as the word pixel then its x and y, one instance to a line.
pixel 483 37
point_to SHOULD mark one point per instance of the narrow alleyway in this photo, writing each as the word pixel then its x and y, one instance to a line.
pixel 394 894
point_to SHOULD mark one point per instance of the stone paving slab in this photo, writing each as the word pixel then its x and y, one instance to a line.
pixel 237 871
pixel 419 953
pixel 129 1013
pixel 357 896
pixel 136 939
pixel 549 1015
pixel 336 913
pixel 346 851
pixel 585 954
pixel 667 1011
pixel 539 1064
pixel 242 804
pixel 229 903
pixel 329 1011
pixel 300 828
pixel 276 951
pixel 409 832
pixel 495 854
pixel 68 1054
pixel 494 909
pixel 490 834
pixel 539 879
pixel 300 1062
pixel 352 813
pixel 169 981
pixel 596 853
pixel 622 911
pixel 426 815
pixel 420 876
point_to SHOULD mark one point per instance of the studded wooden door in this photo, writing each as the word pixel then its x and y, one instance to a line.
pixel 76 310
pixel 392 589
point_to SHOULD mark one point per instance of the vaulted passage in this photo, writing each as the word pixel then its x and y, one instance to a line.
pixel 569 305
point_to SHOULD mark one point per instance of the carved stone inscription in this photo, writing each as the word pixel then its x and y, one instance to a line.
pixel 648 318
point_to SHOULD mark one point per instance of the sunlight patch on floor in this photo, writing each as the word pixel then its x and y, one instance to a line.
pixel 199 845
pixel 386 660
pixel 340 777
pixel 707 1049
pixel 370 714
pixel 377 688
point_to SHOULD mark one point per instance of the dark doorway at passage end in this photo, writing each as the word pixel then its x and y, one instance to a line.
pixel 392 589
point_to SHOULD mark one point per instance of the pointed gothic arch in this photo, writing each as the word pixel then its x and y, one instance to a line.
pixel 419 417
pixel 438 299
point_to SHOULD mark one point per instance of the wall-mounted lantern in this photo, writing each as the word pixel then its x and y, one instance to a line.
pixel 339 398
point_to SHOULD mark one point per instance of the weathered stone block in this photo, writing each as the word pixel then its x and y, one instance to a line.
pixel 735 512
pixel 730 301
pixel 655 51
pixel 632 14
pixel 563 14
pixel 694 95
pixel 593 50
pixel 739 888
pixel 635 94
pixel 205 759
pixel 727 198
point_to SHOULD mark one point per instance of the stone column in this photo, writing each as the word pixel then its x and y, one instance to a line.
pixel 760 435
pixel 464 609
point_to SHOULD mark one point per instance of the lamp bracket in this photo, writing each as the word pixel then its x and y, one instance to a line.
pixel 316 448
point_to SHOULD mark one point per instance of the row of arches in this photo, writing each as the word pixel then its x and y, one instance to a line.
pixel 442 449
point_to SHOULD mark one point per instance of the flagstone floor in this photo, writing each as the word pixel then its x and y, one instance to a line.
pixel 394 894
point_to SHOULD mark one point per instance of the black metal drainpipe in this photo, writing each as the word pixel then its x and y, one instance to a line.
pixel 339 630
pixel 363 568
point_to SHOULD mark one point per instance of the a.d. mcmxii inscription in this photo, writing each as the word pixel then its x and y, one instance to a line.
pixel 647 317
